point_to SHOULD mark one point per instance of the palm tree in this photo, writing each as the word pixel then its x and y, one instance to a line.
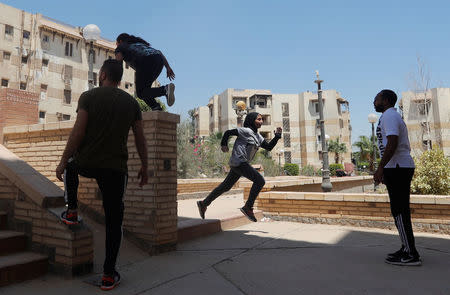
pixel 366 149
pixel 337 148
pixel 364 146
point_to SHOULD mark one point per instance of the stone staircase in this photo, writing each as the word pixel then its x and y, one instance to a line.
pixel 16 262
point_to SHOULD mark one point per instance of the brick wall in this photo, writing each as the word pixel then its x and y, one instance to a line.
pixel 185 186
pixel 150 212
pixel 17 107
pixel 33 205
pixel 431 213
pixel 312 184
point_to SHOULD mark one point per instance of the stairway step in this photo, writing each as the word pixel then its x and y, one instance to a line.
pixel 12 241
pixel 22 266
pixel 196 228
pixel 3 220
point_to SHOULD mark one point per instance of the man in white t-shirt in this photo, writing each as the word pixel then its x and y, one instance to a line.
pixel 396 170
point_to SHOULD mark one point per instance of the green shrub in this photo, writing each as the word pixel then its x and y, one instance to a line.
pixel 363 165
pixel 291 169
pixel 308 170
pixel 432 174
pixel 334 167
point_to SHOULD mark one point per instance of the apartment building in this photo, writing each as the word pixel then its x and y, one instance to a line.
pixel 427 116
pixel 297 114
pixel 47 57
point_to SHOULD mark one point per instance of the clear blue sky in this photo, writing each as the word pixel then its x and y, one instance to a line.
pixel 359 47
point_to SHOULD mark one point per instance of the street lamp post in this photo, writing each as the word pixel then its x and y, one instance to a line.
pixel 326 183
pixel 91 33
pixel 372 120
pixel 279 160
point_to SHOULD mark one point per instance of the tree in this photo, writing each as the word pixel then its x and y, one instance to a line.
pixel 337 148
pixel 366 149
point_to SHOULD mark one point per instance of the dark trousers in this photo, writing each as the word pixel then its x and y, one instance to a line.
pixel 398 183
pixel 233 176
pixel 147 70
pixel 112 184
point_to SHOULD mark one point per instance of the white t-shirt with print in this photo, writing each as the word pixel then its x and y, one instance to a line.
pixel 391 123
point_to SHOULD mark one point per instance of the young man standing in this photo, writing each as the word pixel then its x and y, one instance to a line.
pixel 396 170
pixel 97 148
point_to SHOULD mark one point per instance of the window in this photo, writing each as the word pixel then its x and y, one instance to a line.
pixel 211 111
pixel 24 59
pixel 5 82
pixel 9 30
pixel 287 140
pixel 6 55
pixel 93 56
pixel 286 125
pixel 26 35
pixel 67 96
pixel 127 85
pixel 23 85
pixel 287 157
pixel 127 66
pixel 94 78
pixel 266 119
pixel 341 123
pixel 43 91
pixel 65 117
pixel 41 115
pixel 426 143
pixel 45 62
pixel 285 109
pixel 46 38
pixel 316 107
pixel 69 49
pixel 266 135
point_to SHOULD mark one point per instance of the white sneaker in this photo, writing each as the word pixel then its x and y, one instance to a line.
pixel 170 89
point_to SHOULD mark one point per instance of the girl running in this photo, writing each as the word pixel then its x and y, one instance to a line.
pixel 245 147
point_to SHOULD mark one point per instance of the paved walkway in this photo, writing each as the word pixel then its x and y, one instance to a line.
pixel 269 258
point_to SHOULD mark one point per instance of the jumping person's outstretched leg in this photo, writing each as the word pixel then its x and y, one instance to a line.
pixel 145 75
pixel 225 186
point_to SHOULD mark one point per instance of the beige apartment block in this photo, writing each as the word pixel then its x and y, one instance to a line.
pixel 297 114
pixel 427 116
pixel 44 56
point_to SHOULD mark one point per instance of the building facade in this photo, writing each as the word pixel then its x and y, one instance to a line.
pixel 427 116
pixel 50 58
pixel 297 114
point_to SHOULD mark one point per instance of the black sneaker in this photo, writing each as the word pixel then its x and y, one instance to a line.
pixel 405 260
pixel 156 108
pixel 69 218
pixel 201 209
pixel 249 213
pixel 110 282
pixel 396 253
pixel 170 89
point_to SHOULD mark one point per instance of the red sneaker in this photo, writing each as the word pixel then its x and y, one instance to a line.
pixel 69 218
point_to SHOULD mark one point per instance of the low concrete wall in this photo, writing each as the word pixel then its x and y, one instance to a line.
pixel 429 213
pixel 185 186
pixel 353 184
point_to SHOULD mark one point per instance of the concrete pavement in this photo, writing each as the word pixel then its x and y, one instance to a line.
pixel 269 258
